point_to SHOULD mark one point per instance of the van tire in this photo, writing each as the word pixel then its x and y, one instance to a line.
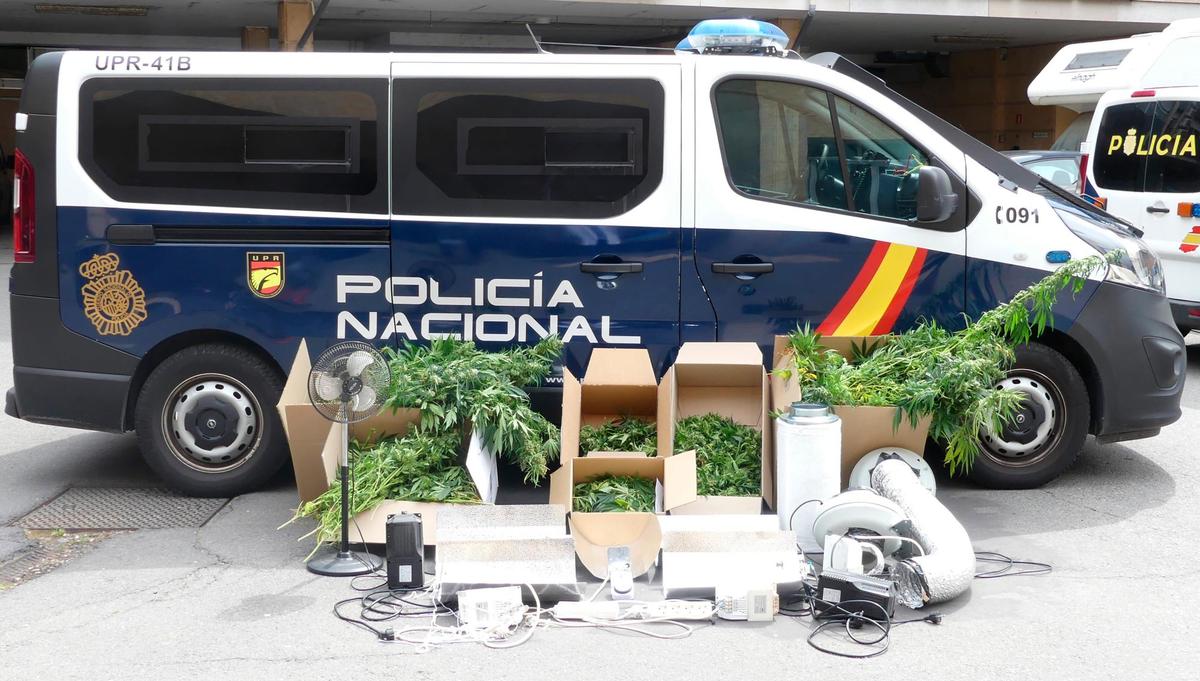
pixel 1055 391
pixel 229 439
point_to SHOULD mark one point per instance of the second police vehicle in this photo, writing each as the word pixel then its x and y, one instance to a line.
pixel 184 219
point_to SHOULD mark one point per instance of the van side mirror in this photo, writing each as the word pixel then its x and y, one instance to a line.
pixel 936 198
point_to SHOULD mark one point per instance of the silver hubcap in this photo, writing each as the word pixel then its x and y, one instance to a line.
pixel 1042 399
pixel 212 423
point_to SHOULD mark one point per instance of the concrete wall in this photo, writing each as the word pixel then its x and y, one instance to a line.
pixel 985 95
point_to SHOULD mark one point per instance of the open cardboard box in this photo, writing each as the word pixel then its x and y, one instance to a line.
pixel 726 379
pixel 316 445
pixel 863 428
pixel 618 383
pixel 594 533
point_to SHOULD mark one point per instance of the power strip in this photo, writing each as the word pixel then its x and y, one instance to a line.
pixel 615 610
pixel 676 610
pixel 587 610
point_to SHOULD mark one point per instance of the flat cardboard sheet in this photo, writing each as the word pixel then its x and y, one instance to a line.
pixel 726 379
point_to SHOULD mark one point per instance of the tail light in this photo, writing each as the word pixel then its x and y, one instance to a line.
pixel 1142 93
pixel 24 219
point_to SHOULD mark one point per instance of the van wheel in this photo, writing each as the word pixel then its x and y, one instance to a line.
pixel 206 421
pixel 1049 430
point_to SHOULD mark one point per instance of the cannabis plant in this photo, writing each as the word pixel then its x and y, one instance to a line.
pixel 620 435
pixel 949 376
pixel 728 455
pixel 415 467
pixel 615 493
pixel 458 387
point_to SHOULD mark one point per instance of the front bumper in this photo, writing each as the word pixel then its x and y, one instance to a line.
pixel 1139 358
pixel 1181 311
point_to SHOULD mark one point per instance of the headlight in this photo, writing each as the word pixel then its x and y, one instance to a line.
pixel 1136 265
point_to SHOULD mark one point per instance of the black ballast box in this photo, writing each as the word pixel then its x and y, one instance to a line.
pixel 405 551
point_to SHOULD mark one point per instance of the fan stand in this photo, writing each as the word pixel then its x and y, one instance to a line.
pixel 340 561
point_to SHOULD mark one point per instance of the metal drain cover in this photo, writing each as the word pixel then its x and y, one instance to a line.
pixel 120 508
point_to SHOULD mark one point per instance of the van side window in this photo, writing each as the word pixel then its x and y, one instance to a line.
pixel 779 142
pixel 789 142
pixel 883 164
pixel 311 145
pixel 525 147
pixel 1149 147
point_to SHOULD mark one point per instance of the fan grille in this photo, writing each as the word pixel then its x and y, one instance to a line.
pixel 348 382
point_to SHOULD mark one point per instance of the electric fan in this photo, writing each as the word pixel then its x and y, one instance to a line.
pixel 346 384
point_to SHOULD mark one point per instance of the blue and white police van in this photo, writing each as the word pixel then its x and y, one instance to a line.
pixel 184 219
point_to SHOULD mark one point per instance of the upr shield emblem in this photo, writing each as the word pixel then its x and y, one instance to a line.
pixel 264 274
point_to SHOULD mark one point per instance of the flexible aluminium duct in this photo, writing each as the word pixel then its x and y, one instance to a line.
pixel 948 566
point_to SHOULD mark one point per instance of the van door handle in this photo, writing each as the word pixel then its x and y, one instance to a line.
pixel 1157 209
pixel 610 267
pixel 743 267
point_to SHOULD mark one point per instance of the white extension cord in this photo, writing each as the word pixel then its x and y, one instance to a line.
pixel 633 610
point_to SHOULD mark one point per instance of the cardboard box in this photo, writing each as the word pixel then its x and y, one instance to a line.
pixel 726 379
pixel 618 383
pixel 594 533
pixel 863 428
pixel 316 445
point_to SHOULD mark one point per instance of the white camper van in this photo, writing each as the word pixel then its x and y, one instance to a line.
pixel 1140 158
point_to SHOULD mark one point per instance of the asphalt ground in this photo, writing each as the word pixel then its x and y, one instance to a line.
pixel 232 599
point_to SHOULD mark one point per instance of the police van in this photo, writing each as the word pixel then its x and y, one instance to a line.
pixel 184 219
pixel 1140 158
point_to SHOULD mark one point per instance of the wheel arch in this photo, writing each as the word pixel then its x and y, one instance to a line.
pixel 1082 361
pixel 182 341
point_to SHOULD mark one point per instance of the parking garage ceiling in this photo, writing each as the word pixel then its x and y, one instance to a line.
pixel 361 24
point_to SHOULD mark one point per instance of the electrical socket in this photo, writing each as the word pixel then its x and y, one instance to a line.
pixel 676 610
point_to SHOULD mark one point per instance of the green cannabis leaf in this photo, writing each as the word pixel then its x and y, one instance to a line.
pixel 728 455
pixel 457 387
pixel 615 493
pixel 620 435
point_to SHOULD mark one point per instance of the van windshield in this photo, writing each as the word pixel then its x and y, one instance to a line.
pixel 1149 147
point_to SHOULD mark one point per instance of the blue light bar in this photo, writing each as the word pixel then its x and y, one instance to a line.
pixel 742 36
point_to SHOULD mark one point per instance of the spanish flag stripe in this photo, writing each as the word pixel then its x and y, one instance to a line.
pixel 1192 239
pixel 850 297
pixel 901 298
pixel 878 295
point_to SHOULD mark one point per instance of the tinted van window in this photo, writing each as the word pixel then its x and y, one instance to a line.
pixel 779 142
pixel 312 145
pixel 882 163
pixel 525 147
pixel 794 143
pixel 1149 147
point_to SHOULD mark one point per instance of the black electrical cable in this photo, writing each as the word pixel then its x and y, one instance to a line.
pixel 1010 567
pixel 802 505
pixel 386 605
pixel 851 620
